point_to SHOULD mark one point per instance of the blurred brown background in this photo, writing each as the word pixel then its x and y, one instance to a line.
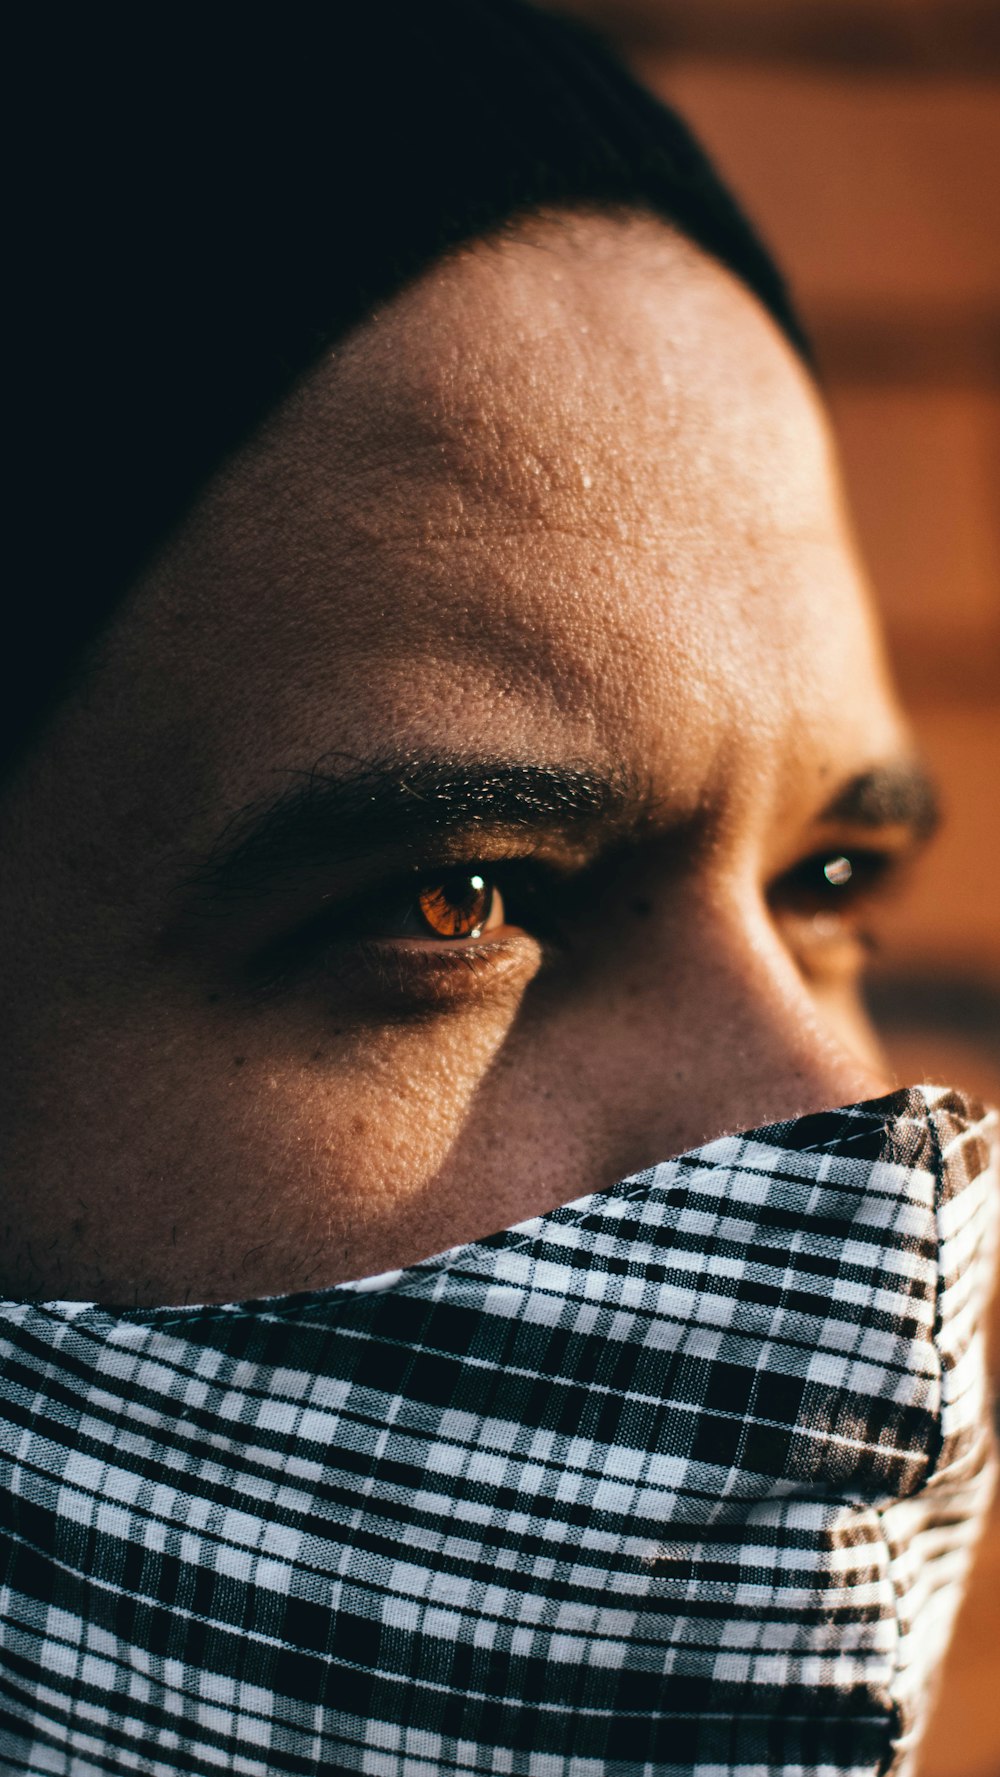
pixel 864 137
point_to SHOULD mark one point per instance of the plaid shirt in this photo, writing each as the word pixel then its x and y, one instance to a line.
pixel 681 1477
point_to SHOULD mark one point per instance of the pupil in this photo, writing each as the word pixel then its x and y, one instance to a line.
pixel 457 906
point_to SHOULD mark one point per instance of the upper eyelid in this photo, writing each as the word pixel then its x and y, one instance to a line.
pixel 395 890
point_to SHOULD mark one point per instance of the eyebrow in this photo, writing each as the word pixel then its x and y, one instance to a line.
pixel 340 810
pixel 330 816
pixel 894 795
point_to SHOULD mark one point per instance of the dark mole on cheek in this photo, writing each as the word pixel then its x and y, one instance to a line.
pixel 643 908
pixel 238 1060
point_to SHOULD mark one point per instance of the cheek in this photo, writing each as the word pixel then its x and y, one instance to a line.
pixel 343 1144
pixel 351 1133
pixel 239 1155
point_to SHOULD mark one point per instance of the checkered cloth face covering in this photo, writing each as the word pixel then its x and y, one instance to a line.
pixel 681 1477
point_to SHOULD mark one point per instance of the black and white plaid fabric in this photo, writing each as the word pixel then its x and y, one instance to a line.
pixel 680 1478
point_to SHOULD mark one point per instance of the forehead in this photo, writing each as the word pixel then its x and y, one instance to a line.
pixel 573 484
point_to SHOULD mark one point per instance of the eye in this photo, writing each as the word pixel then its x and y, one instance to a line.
pixel 833 882
pixel 829 907
pixel 457 904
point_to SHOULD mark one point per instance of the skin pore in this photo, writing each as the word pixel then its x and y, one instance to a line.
pixel 532 616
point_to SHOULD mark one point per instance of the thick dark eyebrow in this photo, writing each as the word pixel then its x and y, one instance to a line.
pixel 335 813
pixel 340 810
pixel 895 795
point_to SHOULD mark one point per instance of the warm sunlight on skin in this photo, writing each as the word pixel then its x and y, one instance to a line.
pixel 450 823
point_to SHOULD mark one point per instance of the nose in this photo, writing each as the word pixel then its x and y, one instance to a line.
pixel 718 1031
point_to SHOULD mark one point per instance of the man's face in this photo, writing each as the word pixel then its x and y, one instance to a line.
pixel 455 819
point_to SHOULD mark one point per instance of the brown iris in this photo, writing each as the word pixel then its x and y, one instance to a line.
pixel 457 905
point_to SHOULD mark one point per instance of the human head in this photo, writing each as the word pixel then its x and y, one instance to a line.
pixel 555 508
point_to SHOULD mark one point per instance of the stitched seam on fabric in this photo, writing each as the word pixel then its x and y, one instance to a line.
pixel 406 1286
pixel 210 1315
pixel 517 1243
pixel 935 1452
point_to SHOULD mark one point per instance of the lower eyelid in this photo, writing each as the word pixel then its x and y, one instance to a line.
pixel 436 976
pixel 423 953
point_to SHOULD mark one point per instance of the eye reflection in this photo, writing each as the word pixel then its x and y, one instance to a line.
pixel 833 897
pixel 838 871
pixel 461 904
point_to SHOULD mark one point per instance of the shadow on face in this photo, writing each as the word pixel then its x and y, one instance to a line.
pixel 489 791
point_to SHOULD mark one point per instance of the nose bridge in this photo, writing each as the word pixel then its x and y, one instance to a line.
pixel 719 1033
pixel 794 1051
